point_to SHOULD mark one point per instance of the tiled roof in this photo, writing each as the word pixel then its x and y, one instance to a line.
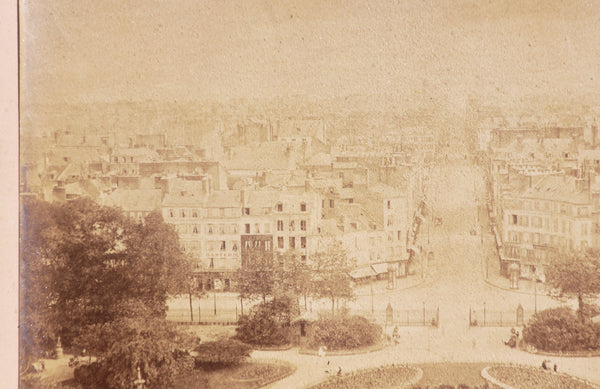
pixel 134 199
pixel 556 188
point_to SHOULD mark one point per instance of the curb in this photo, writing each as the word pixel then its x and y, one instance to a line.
pixel 512 290
pixel 421 282
pixel 486 376
pixel 592 354
pixel 493 380
pixel 341 353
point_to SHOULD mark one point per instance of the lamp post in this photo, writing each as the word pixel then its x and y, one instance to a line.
pixel 139 382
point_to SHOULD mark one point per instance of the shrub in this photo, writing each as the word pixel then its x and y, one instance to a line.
pixel 559 329
pixel 90 376
pixel 345 332
pixel 267 324
pixel 221 353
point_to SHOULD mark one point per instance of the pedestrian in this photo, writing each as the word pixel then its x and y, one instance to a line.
pixel 555 368
pixel 339 373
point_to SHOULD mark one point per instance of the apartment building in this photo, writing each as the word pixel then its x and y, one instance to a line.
pixel 547 215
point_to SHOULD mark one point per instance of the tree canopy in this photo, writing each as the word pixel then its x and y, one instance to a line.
pixel 576 273
pixel 331 274
pixel 83 264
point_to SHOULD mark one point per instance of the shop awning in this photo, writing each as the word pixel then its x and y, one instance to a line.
pixel 380 268
pixel 362 272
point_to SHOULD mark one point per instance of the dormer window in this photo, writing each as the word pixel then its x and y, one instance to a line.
pixel 279 207
pixel 302 207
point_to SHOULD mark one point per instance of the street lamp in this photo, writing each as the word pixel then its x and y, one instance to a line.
pixel 139 382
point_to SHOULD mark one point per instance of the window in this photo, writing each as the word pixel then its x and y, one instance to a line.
pixel 247 244
pixel 235 229
pixel 279 207
pixel 292 226
pixel 267 228
pixel 246 211
pixel 390 221
pixel 302 207
pixel 292 242
pixel 399 234
pixel 331 203
pixel 182 213
pixel 280 242
pixel 322 203
pixel 257 228
pixel 212 263
pixel 303 258
pixel 303 242
pixel 389 204
pixel 171 214
pixel 223 245
pixel 194 214
pixel 267 245
pixel 257 244
pixel 514 219
pixel 303 225
pixel 234 246
pixel 279 225
pixel 247 228
pixel 210 228
pixel 195 229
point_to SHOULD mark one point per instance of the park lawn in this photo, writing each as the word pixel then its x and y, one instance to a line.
pixel 534 378
pixel 248 375
pixel 452 374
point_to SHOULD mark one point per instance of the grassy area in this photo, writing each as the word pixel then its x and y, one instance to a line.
pixel 533 378
pixel 378 378
pixel 245 376
pixel 452 374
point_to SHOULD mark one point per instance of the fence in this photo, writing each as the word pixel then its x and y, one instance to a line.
pixel 402 317
pixel 223 316
pixel 485 317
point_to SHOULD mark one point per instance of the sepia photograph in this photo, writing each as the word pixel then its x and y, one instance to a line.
pixel 308 194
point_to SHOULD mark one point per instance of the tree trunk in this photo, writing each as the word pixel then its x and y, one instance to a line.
pixel 332 306
pixel 305 302
pixel 191 309
pixel 580 310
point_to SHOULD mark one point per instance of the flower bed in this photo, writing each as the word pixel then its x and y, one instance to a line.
pixel 382 377
pixel 522 377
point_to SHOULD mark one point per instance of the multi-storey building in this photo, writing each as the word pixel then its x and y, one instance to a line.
pixel 546 215
pixel 209 231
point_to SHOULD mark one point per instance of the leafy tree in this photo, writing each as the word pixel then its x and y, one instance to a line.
pixel 268 323
pixel 331 274
pixel 83 264
pixel 259 279
pixel 121 346
pixel 296 277
pixel 577 274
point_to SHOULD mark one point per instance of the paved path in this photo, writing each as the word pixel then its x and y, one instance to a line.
pixel 454 281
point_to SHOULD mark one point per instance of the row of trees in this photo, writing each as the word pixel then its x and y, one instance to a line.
pixel 327 276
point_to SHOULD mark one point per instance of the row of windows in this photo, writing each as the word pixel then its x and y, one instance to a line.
pixel 555 225
pixel 293 242
pixel 536 238
pixel 292 225
pixel 208 229
pixel 547 206
pixel 222 212
pixel 122 159
pixel 210 212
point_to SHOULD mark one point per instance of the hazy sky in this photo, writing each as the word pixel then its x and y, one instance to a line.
pixel 181 50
